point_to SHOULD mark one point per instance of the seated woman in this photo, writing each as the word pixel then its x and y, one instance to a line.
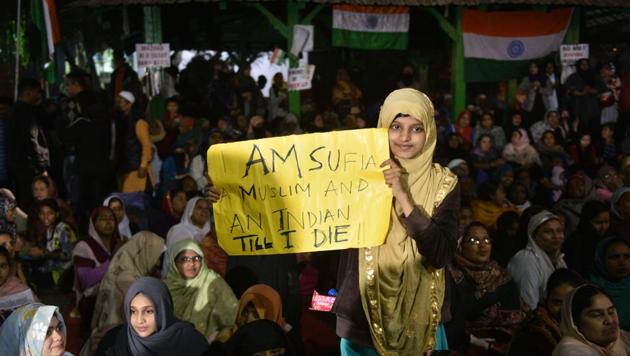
pixel 258 302
pixel 200 295
pixel 519 151
pixel 13 293
pixel 611 272
pixel 620 208
pixel 172 208
pixel 91 257
pixel 125 228
pixel 485 302
pixel 590 326
pixel 51 251
pixel 150 326
pixel 593 227
pixel 485 158
pixel 540 332
pixel 194 225
pixel 139 257
pixel 43 187
pixel 34 329
pixel 491 205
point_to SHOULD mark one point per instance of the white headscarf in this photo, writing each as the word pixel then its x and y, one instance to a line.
pixel 186 230
pixel 123 225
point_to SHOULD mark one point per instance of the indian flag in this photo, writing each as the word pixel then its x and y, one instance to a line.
pixel 44 15
pixel 370 27
pixel 498 45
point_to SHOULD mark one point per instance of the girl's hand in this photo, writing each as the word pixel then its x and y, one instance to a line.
pixel 394 178
pixel 213 194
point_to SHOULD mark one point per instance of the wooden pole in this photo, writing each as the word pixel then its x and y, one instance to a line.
pixel 17 49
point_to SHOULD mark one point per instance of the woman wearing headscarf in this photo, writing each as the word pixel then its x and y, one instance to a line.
pixel 583 88
pixel 485 302
pixel 540 332
pixel 593 227
pixel 200 295
pixel 485 158
pixel 519 151
pixel 34 330
pixel 91 257
pixel 377 309
pixel 590 326
pixel 13 293
pixel 139 257
pixel 551 123
pixel 611 272
pixel 194 225
pixel 620 208
pixel 118 207
pixel 151 327
pixel 538 88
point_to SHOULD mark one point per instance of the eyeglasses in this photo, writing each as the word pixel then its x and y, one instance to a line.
pixel 187 259
pixel 476 241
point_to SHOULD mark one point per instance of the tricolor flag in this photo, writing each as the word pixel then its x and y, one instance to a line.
pixel 499 44
pixel 278 57
pixel 44 15
pixel 370 27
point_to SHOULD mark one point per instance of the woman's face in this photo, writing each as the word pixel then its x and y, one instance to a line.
pixel 47 216
pixel 519 194
pixel 485 144
pixel 617 260
pixel 453 142
pixel 179 203
pixel 55 342
pixel 623 206
pixel 142 316
pixel 553 120
pixel 585 141
pixel 5 269
pixel 105 223
pixel 507 179
pixel 517 120
pixel 549 139
pixel 601 223
pixel 486 121
pixel 533 68
pixel 464 120
pixel 6 241
pixel 188 264
pixel 556 296
pixel 477 245
pixel 201 213
pixel 40 190
pixel 172 107
pixel 599 322
pixel 118 209
pixel 406 137
pixel 516 137
pixel 318 121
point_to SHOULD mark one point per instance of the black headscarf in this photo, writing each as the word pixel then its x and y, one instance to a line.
pixel 173 335
pixel 588 75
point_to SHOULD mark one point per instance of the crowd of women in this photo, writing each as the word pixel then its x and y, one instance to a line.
pixel 146 274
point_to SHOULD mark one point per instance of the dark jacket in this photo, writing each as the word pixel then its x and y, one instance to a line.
pixel 27 141
pixel 436 239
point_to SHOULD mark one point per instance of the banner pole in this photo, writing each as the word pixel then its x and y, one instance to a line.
pixel 17 50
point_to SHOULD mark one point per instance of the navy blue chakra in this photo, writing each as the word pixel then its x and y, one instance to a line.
pixel 372 21
pixel 515 49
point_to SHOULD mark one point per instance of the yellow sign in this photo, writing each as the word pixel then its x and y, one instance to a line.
pixel 290 194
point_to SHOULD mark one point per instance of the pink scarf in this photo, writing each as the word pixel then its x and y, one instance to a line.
pixel 12 286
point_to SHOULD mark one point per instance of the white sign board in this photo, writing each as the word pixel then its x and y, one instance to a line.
pixel 153 55
pixel 571 53
pixel 300 78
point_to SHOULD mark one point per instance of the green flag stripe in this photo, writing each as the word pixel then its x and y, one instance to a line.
pixel 369 40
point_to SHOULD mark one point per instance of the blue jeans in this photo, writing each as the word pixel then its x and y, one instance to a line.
pixel 349 348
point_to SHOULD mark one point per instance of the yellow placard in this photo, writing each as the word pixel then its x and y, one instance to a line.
pixel 314 192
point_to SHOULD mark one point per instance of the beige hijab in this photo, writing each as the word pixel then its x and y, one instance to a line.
pixel 402 298
pixel 135 259
pixel 574 340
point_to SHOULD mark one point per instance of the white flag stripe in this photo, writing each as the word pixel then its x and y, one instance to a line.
pixel 49 35
pixel 511 48
pixel 370 22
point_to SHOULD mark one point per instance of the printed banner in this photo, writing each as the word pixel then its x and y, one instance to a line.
pixel 291 194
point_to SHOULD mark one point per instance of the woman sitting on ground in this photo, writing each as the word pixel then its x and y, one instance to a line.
pixel 200 295
pixel 34 329
pixel 150 326
pixel 91 257
pixel 125 228
pixel 11 288
pixel 194 224
pixel 611 272
pixel 540 332
pixel 519 150
pixel 139 257
pixel 590 325
pixel 491 205
pixel 485 302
